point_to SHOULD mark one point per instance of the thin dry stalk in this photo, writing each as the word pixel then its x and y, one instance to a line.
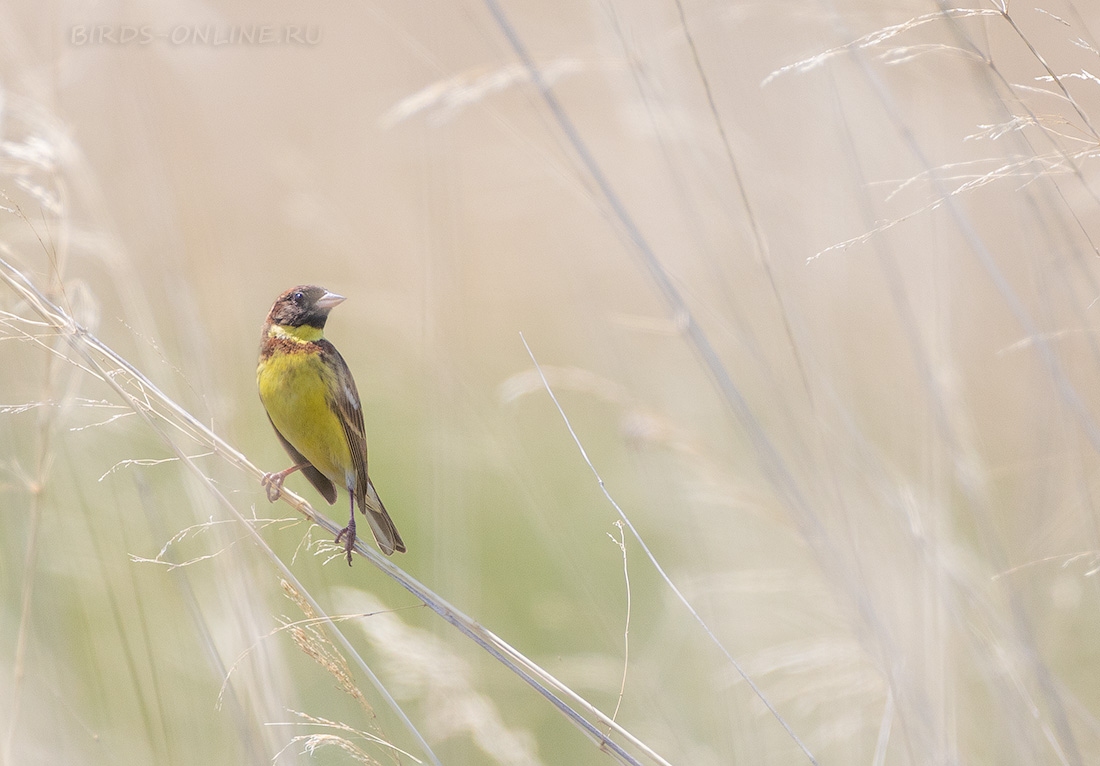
pixel 621 542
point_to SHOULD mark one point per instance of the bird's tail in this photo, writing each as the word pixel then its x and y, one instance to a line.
pixel 385 533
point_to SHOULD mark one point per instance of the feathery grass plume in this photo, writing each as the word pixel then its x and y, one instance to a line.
pixel 444 99
pixel 311 743
pixel 1060 159
pixel 878 37
pixel 311 638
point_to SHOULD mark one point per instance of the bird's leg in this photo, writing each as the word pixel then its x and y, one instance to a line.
pixel 349 530
pixel 273 482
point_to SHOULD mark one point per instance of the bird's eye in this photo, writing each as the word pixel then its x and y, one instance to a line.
pixel 298 297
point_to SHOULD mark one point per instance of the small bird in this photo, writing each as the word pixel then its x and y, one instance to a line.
pixel 311 401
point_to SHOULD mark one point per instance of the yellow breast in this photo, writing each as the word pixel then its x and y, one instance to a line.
pixel 294 389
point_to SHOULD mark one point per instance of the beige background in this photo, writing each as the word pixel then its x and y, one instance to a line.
pixel 908 579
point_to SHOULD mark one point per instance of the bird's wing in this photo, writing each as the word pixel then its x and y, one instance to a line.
pixel 316 478
pixel 344 400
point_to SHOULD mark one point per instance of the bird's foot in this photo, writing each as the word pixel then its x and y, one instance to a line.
pixel 273 483
pixel 349 530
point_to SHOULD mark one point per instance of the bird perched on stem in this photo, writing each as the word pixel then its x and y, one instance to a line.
pixel 311 400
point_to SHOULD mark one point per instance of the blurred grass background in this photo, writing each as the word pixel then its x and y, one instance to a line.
pixel 929 390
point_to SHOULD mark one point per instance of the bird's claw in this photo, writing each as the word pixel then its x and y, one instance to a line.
pixel 273 483
pixel 350 532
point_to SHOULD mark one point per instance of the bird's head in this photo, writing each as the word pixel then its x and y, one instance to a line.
pixel 303 306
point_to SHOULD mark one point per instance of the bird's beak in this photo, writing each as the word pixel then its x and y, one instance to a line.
pixel 329 301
